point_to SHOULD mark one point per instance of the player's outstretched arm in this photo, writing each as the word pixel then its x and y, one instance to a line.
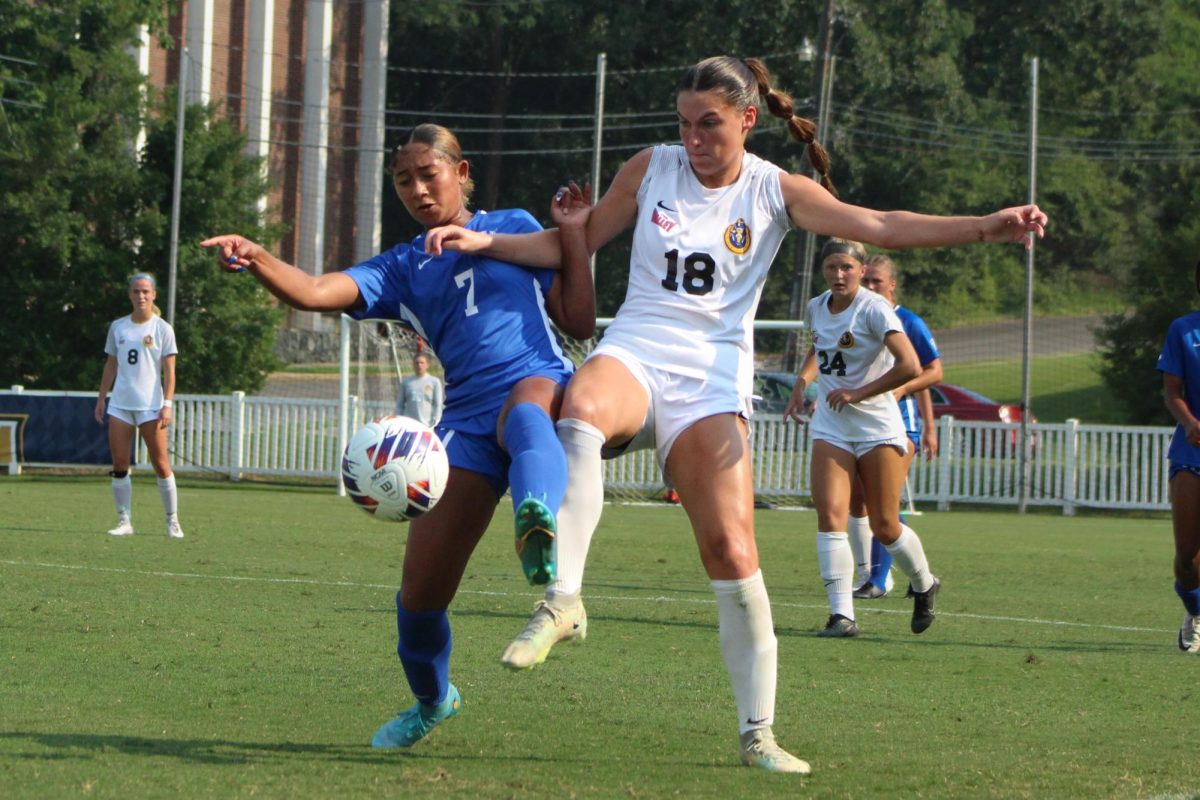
pixel 535 249
pixel 813 208
pixel 332 291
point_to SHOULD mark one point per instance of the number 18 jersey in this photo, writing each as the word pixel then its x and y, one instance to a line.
pixel 850 353
pixel 699 260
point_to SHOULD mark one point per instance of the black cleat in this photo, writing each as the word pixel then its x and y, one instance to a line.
pixel 869 591
pixel 839 626
pixel 923 603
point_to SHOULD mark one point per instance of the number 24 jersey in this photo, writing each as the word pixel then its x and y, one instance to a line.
pixel 850 353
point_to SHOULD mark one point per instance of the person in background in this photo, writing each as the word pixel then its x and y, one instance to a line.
pixel 863 356
pixel 489 322
pixel 873 562
pixel 675 369
pixel 421 394
pixel 140 371
pixel 1179 364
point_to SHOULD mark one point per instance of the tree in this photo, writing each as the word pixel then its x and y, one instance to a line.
pixel 81 210
pixel 226 323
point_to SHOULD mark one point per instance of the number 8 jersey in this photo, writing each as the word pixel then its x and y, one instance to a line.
pixel 700 258
pixel 850 353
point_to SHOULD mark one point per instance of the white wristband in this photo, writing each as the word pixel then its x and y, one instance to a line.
pixel 167 403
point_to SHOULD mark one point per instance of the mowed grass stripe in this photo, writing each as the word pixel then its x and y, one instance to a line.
pixel 862 607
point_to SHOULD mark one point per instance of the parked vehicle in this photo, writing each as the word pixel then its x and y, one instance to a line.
pixel 772 390
pixel 962 403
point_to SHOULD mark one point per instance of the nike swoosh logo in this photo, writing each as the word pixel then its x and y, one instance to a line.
pixel 423 262
pixel 664 208
pixel 755 721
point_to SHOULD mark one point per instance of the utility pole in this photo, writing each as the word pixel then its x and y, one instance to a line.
pixel 802 266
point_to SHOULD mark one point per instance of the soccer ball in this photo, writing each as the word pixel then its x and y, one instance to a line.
pixel 395 468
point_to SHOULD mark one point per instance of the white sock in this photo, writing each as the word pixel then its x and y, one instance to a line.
pixel 910 558
pixel 859 533
pixel 122 489
pixel 749 648
pixel 581 506
pixel 166 490
pixel 837 571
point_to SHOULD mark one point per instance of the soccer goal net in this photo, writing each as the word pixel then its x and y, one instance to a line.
pixel 379 355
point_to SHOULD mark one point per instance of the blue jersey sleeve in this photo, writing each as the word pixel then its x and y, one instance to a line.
pixel 380 281
pixel 1170 360
pixel 918 332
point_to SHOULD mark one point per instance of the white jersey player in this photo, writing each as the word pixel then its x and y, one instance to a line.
pixel 676 363
pixel 140 371
pixel 862 354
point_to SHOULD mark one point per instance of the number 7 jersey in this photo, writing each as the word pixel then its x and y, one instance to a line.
pixel 700 258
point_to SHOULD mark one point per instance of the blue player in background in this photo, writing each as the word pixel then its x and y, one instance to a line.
pixel 872 560
pixel 489 323
pixel 1179 364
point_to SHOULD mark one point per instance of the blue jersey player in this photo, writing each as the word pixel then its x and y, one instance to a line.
pixel 873 561
pixel 489 322
pixel 1179 364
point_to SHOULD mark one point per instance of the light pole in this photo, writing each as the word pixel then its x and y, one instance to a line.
pixel 802 266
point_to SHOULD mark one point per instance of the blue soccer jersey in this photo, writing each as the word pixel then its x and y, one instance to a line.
pixel 1181 357
pixel 485 319
pixel 922 341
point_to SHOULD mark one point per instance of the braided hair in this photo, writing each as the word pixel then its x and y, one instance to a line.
pixel 742 82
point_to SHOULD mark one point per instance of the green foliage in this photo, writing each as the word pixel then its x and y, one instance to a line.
pixel 257 656
pixel 225 323
pixel 81 210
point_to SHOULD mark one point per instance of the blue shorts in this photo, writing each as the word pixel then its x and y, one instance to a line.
pixel 1177 468
pixel 478 453
pixel 915 438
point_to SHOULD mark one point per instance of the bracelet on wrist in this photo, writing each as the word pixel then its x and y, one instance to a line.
pixel 167 403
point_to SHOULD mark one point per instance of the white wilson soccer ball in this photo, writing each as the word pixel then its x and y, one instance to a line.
pixel 395 468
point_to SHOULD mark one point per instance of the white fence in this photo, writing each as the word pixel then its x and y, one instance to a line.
pixel 1073 465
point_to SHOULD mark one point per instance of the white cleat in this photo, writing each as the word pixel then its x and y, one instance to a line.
pixel 548 626
pixel 124 527
pixel 1189 634
pixel 759 749
pixel 173 529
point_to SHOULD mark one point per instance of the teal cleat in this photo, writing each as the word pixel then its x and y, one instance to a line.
pixel 536 529
pixel 411 726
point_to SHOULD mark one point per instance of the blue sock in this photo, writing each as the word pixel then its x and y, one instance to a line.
pixel 539 465
pixel 881 562
pixel 424 651
pixel 1190 598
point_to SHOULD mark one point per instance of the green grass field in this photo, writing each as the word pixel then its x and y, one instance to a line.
pixel 1062 387
pixel 256 658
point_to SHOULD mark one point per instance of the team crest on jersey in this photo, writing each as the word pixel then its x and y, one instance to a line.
pixel 737 237
pixel 847 340
pixel 148 340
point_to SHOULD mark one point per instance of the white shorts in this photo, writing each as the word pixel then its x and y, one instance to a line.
pixel 134 418
pixel 676 402
pixel 860 449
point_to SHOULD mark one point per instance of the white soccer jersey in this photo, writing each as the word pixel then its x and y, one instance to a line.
pixel 850 353
pixel 700 258
pixel 139 349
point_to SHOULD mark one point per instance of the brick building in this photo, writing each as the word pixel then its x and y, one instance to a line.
pixel 305 79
